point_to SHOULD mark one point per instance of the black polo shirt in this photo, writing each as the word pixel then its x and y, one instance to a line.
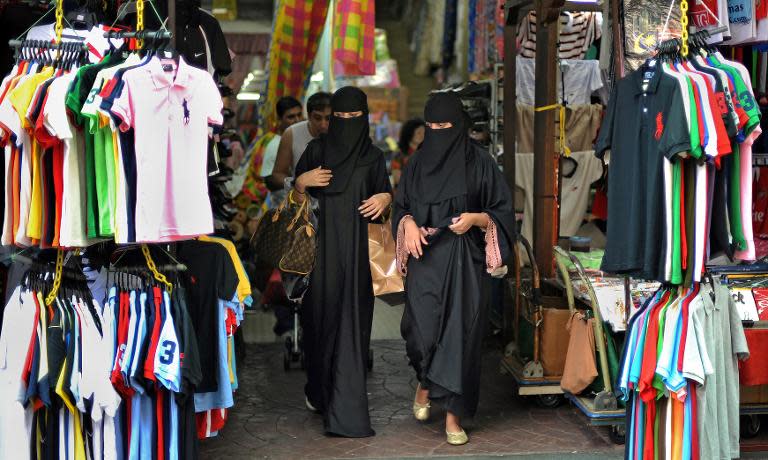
pixel 641 128
pixel 198 28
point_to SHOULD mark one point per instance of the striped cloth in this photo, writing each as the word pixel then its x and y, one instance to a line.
pixel 298 25
pixel 353 37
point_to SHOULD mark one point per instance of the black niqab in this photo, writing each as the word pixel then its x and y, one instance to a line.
pixel 348 142
pixel 441 160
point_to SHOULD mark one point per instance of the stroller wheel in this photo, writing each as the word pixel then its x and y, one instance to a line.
pixel 370 360
pixel 286 361
pixel 618 434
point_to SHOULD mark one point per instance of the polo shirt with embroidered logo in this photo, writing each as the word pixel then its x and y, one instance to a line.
pixel 642 128
pixel 170 117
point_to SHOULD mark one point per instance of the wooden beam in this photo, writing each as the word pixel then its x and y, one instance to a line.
pixel 546 165
pixel 618 42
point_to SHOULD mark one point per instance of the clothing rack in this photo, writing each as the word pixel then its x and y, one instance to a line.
pixel 142 34
pixel 143 268
pixel 41 44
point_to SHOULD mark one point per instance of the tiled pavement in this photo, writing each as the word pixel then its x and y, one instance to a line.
pixel 269 419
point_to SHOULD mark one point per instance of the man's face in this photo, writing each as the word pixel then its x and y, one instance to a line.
pixel 290 117
pixel 318 121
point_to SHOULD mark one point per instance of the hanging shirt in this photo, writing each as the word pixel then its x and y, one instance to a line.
pixel 580 78
pixel 644 126
pixel 577 33
pixel 172 198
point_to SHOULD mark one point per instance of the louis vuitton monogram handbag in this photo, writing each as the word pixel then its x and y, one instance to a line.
pixel 285 238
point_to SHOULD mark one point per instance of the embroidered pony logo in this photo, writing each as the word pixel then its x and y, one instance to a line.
pixel 186 112
pixel 659 126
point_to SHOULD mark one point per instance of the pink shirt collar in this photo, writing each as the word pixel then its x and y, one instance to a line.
pixel 163 79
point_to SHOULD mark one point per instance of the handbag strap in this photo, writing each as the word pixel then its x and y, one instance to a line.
pixel 303 211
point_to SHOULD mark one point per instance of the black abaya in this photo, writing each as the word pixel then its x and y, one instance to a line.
pixel 447 288
pixel 337 310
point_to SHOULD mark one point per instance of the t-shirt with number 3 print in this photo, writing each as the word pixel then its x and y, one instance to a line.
pixel 167 362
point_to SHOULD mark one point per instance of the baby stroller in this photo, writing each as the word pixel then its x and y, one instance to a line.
pixel 296 287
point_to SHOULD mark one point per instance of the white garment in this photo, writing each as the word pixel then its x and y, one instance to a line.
pixel 15 421
pixel 574 191
pixel 57 122
pixel 581 77
pixel 94 37
pixel 270 156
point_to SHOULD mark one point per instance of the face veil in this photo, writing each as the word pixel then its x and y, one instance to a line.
pixel 348 143
pixel 442 158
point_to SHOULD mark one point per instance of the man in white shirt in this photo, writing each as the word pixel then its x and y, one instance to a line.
pixel 296 138
pixel 289 112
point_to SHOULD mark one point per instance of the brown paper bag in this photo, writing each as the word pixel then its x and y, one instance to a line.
pixel 580 365
pixel 381 252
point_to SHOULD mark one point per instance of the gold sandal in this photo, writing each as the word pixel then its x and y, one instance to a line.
pixel 457 439
pixel 420 411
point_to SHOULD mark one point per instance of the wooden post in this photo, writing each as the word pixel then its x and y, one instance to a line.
pixel 546 165
pixel 618 42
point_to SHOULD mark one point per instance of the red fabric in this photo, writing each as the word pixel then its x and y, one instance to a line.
pixel 231 322
pixel 210 422
pixel 695 454
pixel 761 301
pixel 760 200
pixel 683 240
pixel 649 448
pixel 32 342
pixel 684 331
pixel 274 292
pixel 149 364
pixel 58 187
pixel 648 370
pixel 600 204
pixel 122 340
pixel 753 371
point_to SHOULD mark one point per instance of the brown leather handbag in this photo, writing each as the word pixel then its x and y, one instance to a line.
pixel 286 239
pixel 381 252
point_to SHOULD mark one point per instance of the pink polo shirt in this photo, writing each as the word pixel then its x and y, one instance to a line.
pixel 170 117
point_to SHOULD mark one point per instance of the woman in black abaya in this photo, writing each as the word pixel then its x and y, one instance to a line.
pixel 348 177
pixel 454 220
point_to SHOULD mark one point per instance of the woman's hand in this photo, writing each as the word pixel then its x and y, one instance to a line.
pixel 317 177
pixel 375 206
pixel 415 238
pixel 466 221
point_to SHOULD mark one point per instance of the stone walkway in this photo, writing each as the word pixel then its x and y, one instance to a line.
pixel 269 419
